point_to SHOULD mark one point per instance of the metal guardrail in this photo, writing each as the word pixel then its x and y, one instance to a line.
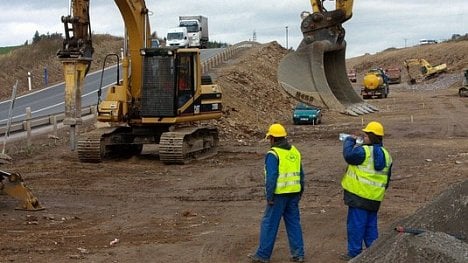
pixel 225 55
pixel 208 64
pixel 42 121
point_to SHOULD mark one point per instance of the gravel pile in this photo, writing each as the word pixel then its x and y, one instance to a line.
pixel 443 238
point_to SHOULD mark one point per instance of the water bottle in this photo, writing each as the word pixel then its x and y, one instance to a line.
pixel 343 136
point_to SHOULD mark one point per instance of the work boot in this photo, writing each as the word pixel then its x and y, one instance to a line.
pixel 257 259
pixel 345 257
pixel 297 259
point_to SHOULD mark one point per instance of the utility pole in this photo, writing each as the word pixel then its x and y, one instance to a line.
pixel 405 41
pixel 287 44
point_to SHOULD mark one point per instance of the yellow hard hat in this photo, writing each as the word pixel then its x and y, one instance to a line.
pixel 276 130
pixel 374 127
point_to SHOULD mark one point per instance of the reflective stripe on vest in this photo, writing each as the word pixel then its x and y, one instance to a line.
pixel 289 170
pixel 363 180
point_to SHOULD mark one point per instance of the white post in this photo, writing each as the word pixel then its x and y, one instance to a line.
pixel 28 126
pixel 10 112
pixel 54 124
pixel 29 81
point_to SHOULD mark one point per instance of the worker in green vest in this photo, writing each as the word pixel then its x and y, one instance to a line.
pixel 364 184
pixel 284 185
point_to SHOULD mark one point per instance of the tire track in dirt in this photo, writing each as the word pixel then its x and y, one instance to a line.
pixel 452 112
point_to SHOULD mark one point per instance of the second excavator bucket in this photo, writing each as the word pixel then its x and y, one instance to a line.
pixel 316 72
pixel 12 184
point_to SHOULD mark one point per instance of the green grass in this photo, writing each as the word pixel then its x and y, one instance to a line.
pixel 6 50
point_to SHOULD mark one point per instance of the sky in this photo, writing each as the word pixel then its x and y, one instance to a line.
pixel 375 26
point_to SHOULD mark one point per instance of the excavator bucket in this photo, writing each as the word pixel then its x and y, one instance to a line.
pixel 12 184
pixel 316 72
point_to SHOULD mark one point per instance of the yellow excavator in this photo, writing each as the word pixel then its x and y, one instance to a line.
pixel 162 97
pixel 316 72
pixel 420 69
pixel 13 185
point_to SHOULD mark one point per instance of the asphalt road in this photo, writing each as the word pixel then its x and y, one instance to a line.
pixel 50 100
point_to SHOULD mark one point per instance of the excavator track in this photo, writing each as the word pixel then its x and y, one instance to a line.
pixel 90 147
pixel 186 144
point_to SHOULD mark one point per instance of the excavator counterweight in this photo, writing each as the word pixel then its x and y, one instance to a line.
pixel 316 72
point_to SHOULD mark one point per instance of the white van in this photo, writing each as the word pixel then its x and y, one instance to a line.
pixel 427 41
pixel 177 37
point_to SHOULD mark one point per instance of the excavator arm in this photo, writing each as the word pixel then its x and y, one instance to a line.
pixel 77 51
pixel 76 57
pixel 316 72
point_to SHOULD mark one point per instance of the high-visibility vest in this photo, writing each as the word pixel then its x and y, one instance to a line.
pixel 363 180
pixel 289 170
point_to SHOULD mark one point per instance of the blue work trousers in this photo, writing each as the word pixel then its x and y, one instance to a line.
pixel 288 208
pixel 362 227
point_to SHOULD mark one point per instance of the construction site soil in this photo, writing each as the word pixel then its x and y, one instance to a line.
pixel 140 210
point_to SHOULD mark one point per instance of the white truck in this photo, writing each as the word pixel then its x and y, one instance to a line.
pixel 197 29
pixel 177 37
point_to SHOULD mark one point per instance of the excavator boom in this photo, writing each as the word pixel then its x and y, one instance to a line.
pixel 316 73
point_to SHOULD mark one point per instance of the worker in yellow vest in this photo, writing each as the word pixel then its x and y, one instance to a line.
pixel 364 183
pixel 284 185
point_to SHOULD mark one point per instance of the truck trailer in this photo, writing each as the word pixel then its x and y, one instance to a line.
pixel 197 29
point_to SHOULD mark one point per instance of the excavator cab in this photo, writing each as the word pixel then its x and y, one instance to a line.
pixel 172 86
pixel 316 72
pixel 169 82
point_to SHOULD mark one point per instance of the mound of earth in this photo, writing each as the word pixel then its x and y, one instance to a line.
pixel 40 59
pixel 252 97
pixel 453 53
pixel 443 237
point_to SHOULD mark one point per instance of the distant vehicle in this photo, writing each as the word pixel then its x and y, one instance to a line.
pixel 427 41
pixel 375 84
pixel 305 114
pixel 155 42
pixel 352 76
pixel 393 74
pixel 197 29
pixel 424 69
pixel 177 37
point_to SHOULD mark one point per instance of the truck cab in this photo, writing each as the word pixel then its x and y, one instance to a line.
pixel 177 37
pixel 393 74
pixel 197 29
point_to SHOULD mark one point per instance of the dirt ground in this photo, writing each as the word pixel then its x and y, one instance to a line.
pixel 140 210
